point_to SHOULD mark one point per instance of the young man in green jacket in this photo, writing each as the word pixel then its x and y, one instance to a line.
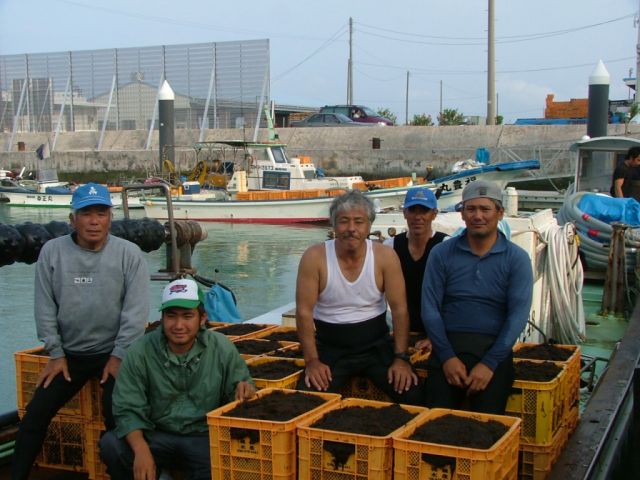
pixel 168 381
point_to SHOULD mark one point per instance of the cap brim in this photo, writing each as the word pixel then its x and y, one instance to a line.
pixel 91 201
pixel 182 303
pixel 422 204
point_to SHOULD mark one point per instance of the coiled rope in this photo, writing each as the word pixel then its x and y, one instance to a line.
pixel 564 277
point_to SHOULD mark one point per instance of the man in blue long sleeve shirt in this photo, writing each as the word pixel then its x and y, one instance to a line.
pixel 476 298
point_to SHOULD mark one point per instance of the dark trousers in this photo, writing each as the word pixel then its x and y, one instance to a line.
pixel 470 349
pixel 374 364
pixel 190 453
pixel 47 401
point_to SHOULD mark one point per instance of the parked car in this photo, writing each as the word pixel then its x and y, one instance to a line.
pixel 327 120
pixel 357 113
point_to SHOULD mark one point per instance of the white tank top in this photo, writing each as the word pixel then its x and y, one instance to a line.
pixel 343 301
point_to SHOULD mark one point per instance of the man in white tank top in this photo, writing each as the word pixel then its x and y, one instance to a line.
pixel 342 291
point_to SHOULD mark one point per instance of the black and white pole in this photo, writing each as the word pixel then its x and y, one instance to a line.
pixel 166 123
pixel 598 117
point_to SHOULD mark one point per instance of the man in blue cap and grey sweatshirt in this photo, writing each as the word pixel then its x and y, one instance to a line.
pixel 91 303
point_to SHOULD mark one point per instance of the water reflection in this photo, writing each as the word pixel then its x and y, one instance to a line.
pixel 258 262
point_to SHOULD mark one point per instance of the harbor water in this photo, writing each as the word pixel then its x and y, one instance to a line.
pixel 258 262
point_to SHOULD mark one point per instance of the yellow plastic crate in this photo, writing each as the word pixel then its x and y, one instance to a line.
pixel 96 469
pixel 29 364
pixel 535 461
pixel 65 446
pixel 277 329
pixel 266 353
pixel 540 405
pixel 496 463
pixel 419 356
pixel 290 381
pixel 362 387
pixel 264 328
pixel 571 384
pixel 272 456
pixel 372 456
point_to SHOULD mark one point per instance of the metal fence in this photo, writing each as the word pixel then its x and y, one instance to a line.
pixel 216 85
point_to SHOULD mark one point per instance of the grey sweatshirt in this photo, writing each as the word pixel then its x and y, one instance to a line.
pixel 89 302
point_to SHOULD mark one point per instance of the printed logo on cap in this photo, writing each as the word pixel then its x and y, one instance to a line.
pixel 178 288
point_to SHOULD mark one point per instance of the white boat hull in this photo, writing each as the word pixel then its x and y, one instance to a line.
pixel 56 200
pixel 312 210
pixel 317 209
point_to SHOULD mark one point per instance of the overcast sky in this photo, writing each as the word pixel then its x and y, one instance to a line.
pixel 542 46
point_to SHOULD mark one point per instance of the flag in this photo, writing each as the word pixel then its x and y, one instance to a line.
pixel 43 151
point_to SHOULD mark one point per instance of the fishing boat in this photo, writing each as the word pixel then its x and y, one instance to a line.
pixel 306 204
pixel 48 192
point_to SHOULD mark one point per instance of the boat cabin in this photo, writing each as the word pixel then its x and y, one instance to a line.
pixel 266 166
pixel 596 159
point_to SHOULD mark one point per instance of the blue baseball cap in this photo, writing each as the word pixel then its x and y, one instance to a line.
pixel 420 196
pixel 90 194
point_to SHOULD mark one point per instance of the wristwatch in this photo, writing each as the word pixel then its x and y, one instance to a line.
pixel 403 356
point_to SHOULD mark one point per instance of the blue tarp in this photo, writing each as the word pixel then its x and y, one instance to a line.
pixel 608 209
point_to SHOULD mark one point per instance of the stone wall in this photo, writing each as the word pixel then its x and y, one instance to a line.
pixel 337 150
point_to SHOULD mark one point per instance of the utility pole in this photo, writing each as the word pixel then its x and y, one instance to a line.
pixel 637 97
pixel 406 103
pixel 440 113
pixel 491 68
pixel 350 65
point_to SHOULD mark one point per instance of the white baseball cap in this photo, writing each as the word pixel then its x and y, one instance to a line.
pixel 182 293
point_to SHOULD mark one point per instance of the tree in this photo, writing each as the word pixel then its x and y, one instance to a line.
pixel 450 116
pixel 386 113
pixel 423 120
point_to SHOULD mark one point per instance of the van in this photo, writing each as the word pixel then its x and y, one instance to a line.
pixel 357 113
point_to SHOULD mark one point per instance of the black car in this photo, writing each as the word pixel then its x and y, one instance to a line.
pixel 327 120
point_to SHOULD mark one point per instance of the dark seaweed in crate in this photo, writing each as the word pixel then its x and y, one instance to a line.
pixel 240 329
pixel 274 370
pixel 288 353
pixel 460 432
pixel 256 346
pixel 291 336
pixel 277 406
pixel 373 421
pixel 543 351
pixel 536 371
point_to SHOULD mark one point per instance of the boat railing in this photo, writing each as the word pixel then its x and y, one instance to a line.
pixel 610 423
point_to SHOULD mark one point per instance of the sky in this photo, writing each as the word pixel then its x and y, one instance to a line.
pixel 542 47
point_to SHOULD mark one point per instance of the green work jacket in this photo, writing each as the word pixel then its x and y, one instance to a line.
pixel 158 390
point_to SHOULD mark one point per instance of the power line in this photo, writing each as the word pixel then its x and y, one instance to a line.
pixel 325 44
pixel 466 41
pixel 425 72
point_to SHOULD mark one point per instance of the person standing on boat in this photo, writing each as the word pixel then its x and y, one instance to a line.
pixel 626 176
pixel 91 291
pixel 167 383
pixel 476 297
pixel 342 291
pixel 412 247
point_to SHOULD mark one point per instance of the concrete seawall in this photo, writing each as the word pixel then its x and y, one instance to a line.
pixel 338 150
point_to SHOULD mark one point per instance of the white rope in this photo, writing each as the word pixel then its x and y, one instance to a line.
pixel 564 275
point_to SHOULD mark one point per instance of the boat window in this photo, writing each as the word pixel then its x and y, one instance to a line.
pixel 278 180
pixel 278 155
pixel 261 154
pixel 309 174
